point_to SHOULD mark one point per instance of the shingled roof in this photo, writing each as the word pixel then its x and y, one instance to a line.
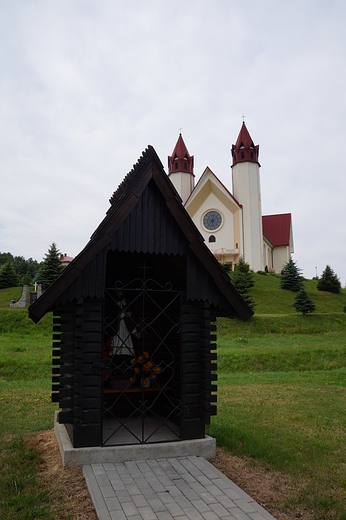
pixel 148 169
pixel 277 229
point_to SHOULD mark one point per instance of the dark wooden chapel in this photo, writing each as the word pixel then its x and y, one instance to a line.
pixel 134 333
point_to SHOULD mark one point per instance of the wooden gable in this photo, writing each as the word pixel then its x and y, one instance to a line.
pixel 146 215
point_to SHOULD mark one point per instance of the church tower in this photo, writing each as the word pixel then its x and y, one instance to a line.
pixel 180 170
pixel 247 191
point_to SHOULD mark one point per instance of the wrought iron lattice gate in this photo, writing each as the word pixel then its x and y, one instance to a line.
pixel 142 363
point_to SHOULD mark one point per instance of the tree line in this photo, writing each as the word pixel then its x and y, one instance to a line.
pixel 16 270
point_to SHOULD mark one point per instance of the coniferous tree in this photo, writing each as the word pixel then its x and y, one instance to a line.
pixel 242 280
pixel 51 267
pixel 303 303
pixel 8 277
pixel 329 281
pixel 290 277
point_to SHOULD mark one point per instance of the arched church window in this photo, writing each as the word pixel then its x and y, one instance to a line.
pixel 185 165
pixel 242 155
pixel 176 165
pixel 251 155
pixel 212 238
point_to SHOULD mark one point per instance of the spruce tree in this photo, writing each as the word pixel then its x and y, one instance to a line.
pixel 51 267
pixel 291 278
pixel 8 276
pixel 329 281
pixel 242 280
pixel 303 302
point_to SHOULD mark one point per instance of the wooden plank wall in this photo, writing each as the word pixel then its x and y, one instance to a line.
pixel 64 361
pixel 87 424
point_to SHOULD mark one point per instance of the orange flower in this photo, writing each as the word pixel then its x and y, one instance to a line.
pixel 152 376
pixel 137 370
pixel 140 359
pixel 148 366
pixel 157 370
pixel 146 355
pixel 133 361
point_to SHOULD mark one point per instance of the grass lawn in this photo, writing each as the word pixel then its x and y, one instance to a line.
pixel 25 407
pixel 281 399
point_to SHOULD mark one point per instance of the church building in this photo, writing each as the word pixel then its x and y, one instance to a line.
pixel 231 222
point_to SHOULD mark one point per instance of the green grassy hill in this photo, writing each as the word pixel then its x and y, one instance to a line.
pixel 270 299
pixel 281 395
pixel 267 295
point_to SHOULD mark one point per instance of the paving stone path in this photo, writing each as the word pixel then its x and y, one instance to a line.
pixel 181 488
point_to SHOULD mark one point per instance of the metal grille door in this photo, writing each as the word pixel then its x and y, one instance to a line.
pixel 141 366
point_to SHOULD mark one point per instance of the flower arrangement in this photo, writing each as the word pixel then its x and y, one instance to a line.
pixel 145 370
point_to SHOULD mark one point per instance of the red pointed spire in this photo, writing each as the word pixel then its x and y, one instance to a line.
pixel 244 149
pixel 180 160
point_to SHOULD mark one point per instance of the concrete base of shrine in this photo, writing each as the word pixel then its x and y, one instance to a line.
pixel 79 456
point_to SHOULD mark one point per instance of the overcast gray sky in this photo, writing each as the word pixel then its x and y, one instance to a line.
pixel 86 85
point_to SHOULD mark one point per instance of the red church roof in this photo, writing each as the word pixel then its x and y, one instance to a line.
pixel 180 160
pixel 277 229
pixel 244 149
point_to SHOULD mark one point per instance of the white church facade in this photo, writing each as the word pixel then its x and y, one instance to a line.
pixel 232 223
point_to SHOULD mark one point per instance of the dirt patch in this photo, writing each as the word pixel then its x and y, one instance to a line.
pixel 270 489
pixel 69 490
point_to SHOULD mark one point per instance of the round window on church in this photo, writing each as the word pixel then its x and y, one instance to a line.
pixel 212 220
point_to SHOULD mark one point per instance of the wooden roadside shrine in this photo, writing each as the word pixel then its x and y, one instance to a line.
pixel 134 332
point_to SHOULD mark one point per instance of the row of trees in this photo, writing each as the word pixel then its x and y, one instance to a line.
pixel 18 271
pixel 292 280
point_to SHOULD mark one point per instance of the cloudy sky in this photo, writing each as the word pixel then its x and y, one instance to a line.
pixel 86 85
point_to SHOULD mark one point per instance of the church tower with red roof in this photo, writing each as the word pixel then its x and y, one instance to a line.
pixel 180 169
pixel 247 191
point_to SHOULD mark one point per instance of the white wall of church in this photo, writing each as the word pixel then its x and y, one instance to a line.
pixel 281 255
pixel 224 236
pixel 183 183
pixel 267 255
pixel 246 189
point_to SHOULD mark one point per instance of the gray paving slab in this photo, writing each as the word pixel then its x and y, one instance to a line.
pixel 179 488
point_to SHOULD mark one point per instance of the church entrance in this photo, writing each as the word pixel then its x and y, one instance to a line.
pixel 142 354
